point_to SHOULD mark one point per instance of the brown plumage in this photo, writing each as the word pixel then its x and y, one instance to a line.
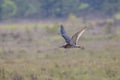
pixel 71 42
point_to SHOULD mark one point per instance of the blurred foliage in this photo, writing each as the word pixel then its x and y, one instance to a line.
pixel 72 17
pixel 117 16
pixel 110 7
pixel 108 27
pixel 52 29
pixel 83 6
pixel 10 9
pixel 41 59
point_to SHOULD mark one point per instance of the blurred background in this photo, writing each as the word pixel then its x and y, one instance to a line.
pixel 30 40
pixel 58 9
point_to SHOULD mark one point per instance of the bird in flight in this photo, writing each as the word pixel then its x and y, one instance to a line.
pixel 71 42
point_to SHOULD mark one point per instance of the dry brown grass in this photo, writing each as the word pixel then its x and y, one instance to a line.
pixel 31 52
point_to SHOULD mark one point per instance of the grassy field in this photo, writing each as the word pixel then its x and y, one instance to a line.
pixel 30 51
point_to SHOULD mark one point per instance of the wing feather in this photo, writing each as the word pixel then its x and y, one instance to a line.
pixel 64 35
pixel 77 35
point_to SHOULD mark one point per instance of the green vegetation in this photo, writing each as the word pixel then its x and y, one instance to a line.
pixel 117 16
pixel 30 40
pixel 39 9
pixel 52 29
pixel 8 9
pixel 83 6
pixel 30 52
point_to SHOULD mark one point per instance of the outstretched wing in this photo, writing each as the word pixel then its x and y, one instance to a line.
pixel 77 35
pixel 64 35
